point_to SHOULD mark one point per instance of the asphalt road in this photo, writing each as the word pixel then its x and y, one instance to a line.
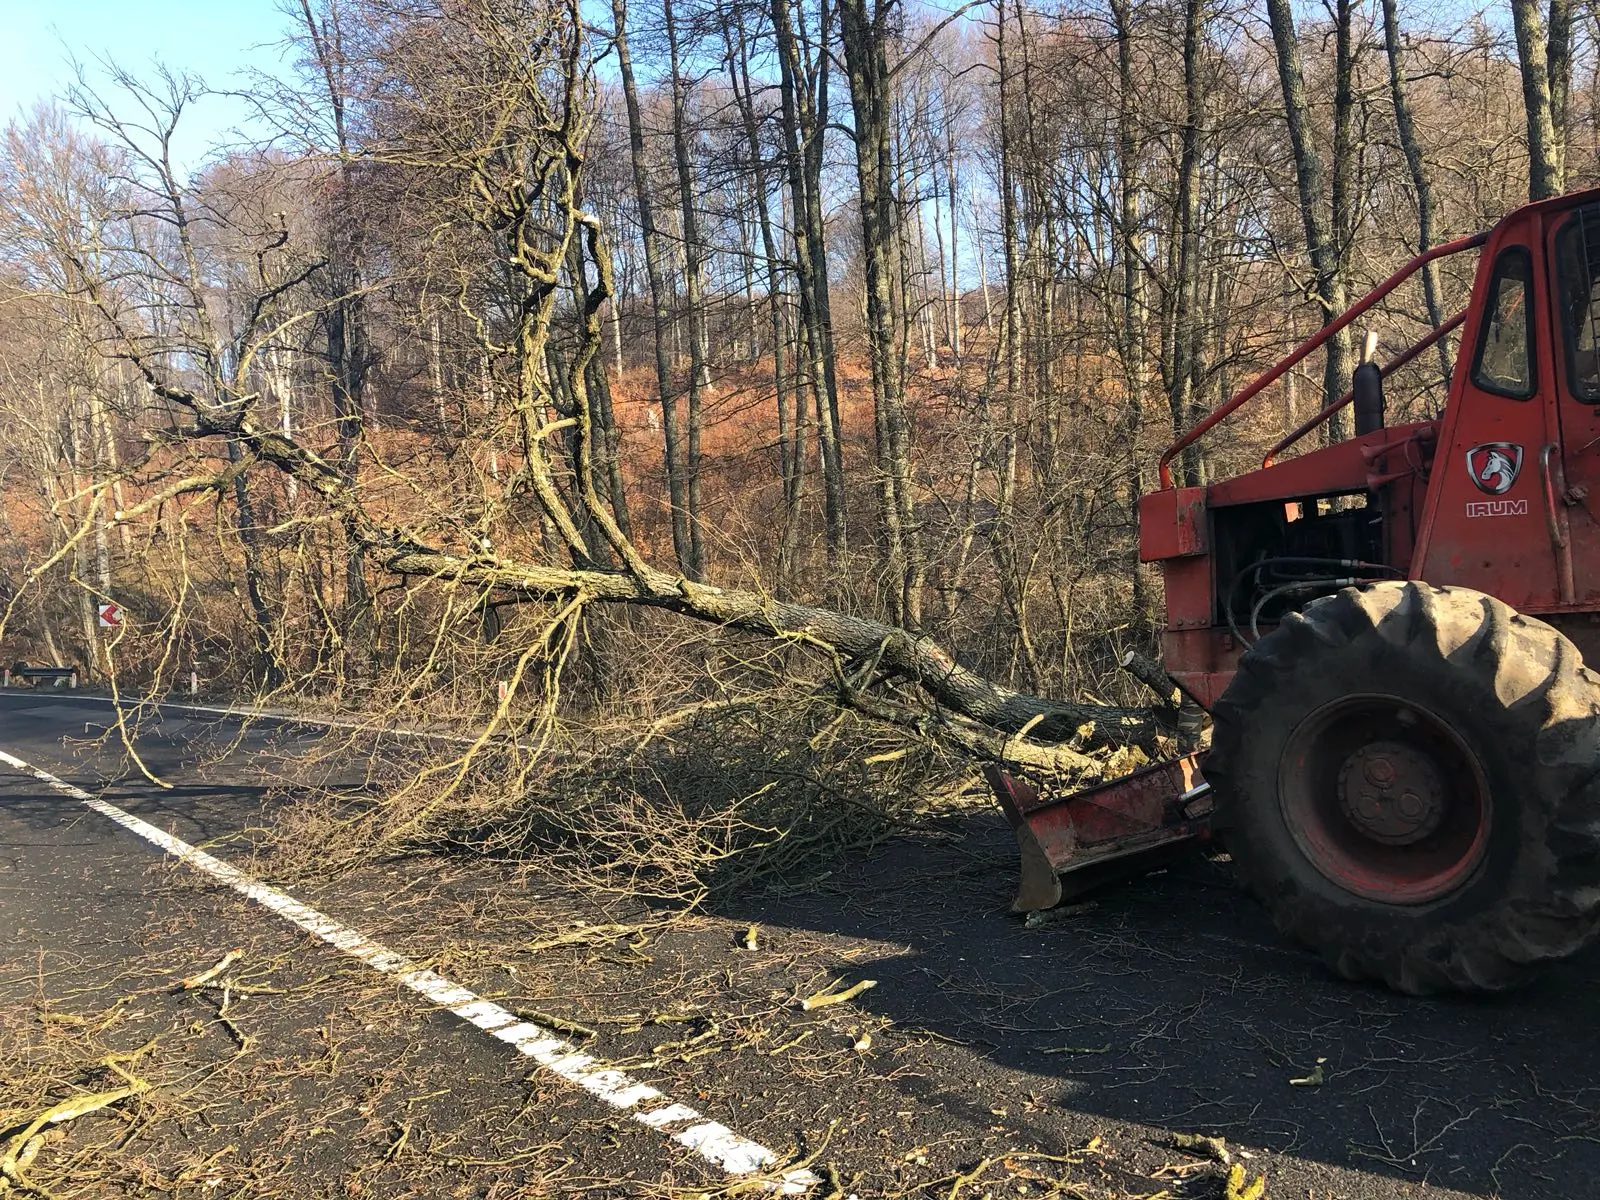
pixel 1034 1061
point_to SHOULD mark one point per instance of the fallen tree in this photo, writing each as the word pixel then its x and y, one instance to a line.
pixel 501 161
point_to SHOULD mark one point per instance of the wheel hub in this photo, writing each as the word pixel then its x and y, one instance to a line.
pixel 1392 792
pixel 1385 798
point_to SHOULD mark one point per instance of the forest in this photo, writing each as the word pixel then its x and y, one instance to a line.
pixel 849 329
pixel 582 489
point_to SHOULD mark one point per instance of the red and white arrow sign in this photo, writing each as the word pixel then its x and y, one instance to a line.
pixel 111 616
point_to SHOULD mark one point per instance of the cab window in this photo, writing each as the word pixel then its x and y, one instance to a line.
pixel 1504 360
pixel 1578 274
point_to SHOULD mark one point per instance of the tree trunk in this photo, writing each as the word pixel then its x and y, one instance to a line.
pixel 660 309
pixel 791 435
pixel 1533 54
pixel 1320 247
pixel 605 451
pixel 864 35
pixel 1417 167
pixel 1185 309
pixel 267 660
pixel 79 448
pixel 953 289
pixel 1131 299
pixel 1344 212
pixel 975 713
pixel 346 321
pixel 803 90
pixel 1558 66
pixel 1002 537
pixel 693 253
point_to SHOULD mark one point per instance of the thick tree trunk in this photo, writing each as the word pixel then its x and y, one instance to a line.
pixel 1558 66
pixel 975 713
pixel 1545 167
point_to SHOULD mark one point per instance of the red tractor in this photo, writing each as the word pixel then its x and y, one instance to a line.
pixel 1389 634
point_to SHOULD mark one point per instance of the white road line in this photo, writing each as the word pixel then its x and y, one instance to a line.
pixel 713 1141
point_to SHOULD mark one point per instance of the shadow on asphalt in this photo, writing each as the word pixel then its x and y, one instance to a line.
pixel 1174 1003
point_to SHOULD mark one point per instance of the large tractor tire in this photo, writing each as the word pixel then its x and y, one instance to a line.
pixel 1408 777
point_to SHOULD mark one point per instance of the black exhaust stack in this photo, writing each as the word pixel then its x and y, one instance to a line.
pixel 1366 389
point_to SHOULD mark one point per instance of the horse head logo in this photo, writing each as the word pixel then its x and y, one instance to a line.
pixel 1494 466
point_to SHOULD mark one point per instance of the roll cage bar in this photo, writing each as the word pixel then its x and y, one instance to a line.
pixel 1284 365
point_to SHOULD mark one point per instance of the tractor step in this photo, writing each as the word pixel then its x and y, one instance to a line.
pixel 1103 833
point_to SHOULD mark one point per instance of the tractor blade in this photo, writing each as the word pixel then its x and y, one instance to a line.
pixel 1110 831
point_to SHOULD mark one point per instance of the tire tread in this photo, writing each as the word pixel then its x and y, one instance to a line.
pixel 1551 905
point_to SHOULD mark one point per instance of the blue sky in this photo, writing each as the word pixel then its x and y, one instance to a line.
pixel 212 38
